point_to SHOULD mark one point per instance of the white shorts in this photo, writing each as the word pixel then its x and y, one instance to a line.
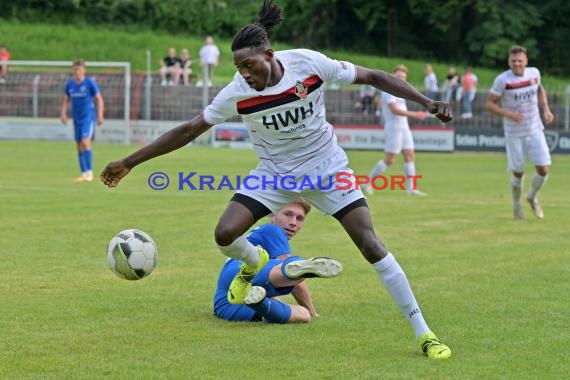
pixel 531 146
pixel 319 187
pixel 398 140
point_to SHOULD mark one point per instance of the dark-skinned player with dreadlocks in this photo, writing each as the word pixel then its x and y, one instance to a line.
pixel 280 97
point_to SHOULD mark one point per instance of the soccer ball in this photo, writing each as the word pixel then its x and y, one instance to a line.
pixel 132 254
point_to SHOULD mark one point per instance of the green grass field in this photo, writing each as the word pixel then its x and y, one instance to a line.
pixel 495 290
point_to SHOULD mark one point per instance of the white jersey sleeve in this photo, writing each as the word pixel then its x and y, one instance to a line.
pixel 330 69
pixel 498 88
pixel 223 107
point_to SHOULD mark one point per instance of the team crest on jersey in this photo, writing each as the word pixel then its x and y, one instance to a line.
pixel 301 90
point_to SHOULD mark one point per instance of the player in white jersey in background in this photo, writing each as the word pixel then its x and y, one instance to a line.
pixel 398 137
pixel 280 98
pixel 516 96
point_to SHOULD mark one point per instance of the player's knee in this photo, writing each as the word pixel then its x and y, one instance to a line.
pixel 82 146
pixel 372 247
pixel 409 156
pixel 542 170
pixel 225 235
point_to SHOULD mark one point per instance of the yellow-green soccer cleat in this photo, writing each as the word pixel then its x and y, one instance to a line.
pixel 241 284
pixel 433 348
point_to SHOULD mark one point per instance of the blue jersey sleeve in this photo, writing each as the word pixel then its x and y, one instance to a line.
pixel 93 88
pixel 272 238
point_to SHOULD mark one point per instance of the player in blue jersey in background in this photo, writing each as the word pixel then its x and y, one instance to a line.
pixel 82 92
pixel 283 274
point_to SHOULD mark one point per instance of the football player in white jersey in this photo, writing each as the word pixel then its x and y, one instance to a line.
pixel 398 137
pixel 516 96
pixel 280 98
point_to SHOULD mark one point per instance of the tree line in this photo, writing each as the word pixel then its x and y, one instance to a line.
pixel 472 32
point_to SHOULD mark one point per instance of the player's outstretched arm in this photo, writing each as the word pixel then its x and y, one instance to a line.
pixel 166 143
pixel 392 84
pixel 303 298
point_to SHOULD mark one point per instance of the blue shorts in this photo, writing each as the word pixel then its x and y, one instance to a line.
pixel 84 130
pixel 225 310
pixel 262 279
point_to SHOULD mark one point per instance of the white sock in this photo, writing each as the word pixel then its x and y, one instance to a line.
pixel 395 281
pixel 516 191
pixel 241 249
pixel 378 169
pixel 410 170
pixel 536 184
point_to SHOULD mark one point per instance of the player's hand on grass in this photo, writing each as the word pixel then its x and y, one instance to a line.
pixel 441 110
pixel 113 173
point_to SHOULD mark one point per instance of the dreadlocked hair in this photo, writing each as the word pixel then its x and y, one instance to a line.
pixel 255 35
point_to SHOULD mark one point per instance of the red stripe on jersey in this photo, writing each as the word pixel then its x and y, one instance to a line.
pixel 526 83
pixel 247 104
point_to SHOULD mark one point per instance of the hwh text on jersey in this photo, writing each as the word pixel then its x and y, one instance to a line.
pixel 284 119
pixel 525 95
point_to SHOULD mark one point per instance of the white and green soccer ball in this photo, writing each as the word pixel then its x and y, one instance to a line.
pixel 132 254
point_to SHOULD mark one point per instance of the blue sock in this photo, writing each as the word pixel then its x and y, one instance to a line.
pixel 287 261
pixel 82 162
pixel 272 311
pixel 88 160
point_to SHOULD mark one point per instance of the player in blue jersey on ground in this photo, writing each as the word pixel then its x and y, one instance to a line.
pixel 283 274
pixel 280 98
pixel 81 93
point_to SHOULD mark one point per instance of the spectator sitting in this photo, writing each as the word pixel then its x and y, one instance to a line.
pixel 170 69
pixel 4 58
pixel 185 67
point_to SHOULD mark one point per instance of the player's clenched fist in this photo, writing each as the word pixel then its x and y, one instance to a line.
pixel 113 173
pixel 441 110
